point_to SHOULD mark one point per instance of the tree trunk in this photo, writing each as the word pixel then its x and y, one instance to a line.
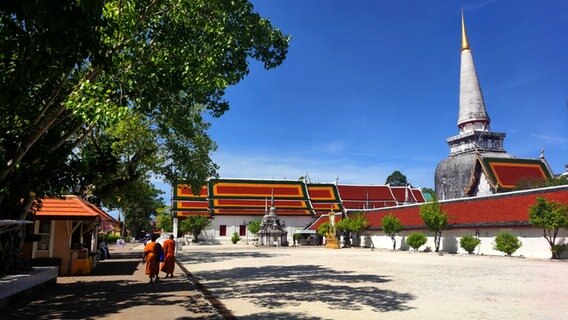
pixel 437 236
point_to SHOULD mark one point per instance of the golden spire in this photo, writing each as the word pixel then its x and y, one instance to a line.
pixel 465 43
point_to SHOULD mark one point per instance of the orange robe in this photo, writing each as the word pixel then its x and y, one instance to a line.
pixel 169 256
pixel 152 259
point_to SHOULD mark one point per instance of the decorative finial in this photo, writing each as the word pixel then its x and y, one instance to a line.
pixel 465 43
pixel 272 199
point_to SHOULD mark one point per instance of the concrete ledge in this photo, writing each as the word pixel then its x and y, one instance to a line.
pixel 21 285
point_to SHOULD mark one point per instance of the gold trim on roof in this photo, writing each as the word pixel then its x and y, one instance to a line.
pixel 465 42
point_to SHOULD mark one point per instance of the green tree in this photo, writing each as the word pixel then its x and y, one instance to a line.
pixel 415 240
pixel 469 243
pixel 429 194
pixel 344 227
pixel 435 220
pixel 138 200
pixel 76 68
pixel 353 226
pixel 194 225
pixel 254 226
pixel 507 243
pixel 533 183
pixel 396 179
pixel 164 219
pixel 391 226
pixel 324 230
pixel 551 216
pixel 114 157
pixel 358 223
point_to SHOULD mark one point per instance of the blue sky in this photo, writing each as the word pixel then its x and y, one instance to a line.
pixel 370 87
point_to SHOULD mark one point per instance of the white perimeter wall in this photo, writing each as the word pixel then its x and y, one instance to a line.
pixel 211 234
pixel 534 244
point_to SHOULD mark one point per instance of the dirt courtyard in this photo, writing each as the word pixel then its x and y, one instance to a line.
pixel 357 283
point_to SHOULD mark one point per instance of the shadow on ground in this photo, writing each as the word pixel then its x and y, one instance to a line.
pixel 122 263
pixel 280 316
pixel 96 298
pixel 275 287
pixel 210 257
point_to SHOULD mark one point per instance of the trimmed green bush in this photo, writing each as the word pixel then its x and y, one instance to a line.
pixel 415 240
pixel 235 238
pixel 111 238
pixel 507 243
pixel 469 243
pixel 558 249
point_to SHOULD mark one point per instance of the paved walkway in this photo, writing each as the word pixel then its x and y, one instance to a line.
pixel 119 289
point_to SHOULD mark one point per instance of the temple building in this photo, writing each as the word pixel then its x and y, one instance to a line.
pixel 475 186
pixel 478 163
pixel 287 206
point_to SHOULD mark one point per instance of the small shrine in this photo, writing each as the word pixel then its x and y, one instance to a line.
pixel 272 230
pixel 330 239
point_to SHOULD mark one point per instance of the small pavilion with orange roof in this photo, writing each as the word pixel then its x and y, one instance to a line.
pixel 67 229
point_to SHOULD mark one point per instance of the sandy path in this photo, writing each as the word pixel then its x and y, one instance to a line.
pixel 319 283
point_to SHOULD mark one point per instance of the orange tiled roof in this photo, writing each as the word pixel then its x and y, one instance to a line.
pixel 71 207
pixel 248 196
pixel 321 220
pixel 418 196
pixel 505 173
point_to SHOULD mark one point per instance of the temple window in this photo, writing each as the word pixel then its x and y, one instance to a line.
pixel 222 230
pixel 242 230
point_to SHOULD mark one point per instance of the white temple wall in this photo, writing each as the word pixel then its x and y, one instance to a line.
pixel 533 243
pixel 232 224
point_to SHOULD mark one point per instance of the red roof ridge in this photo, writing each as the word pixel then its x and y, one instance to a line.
pixel 465 199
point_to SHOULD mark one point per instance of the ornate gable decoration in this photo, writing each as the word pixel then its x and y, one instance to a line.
pixel 324 198
pixel 505 173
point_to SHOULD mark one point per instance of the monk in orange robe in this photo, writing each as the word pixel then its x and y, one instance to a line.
pixel 152 259
pixel 169 257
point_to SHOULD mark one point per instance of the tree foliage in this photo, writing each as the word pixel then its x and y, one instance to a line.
pixel 325 229
pixel 79 74
pixel 415 240
pixel 533 183
pixel 235 238
pixel 551 216
pixel 194 225
pixel 138 200
pixel 74 67
pixel 469 243
pixel 397 179
pixel 164 219
pixel 254 226
pixel 111 158
pixel 435 220
pixel 391 226
pixel 429 194
pixel 343 226
pixel 354 224
pixel 507 243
